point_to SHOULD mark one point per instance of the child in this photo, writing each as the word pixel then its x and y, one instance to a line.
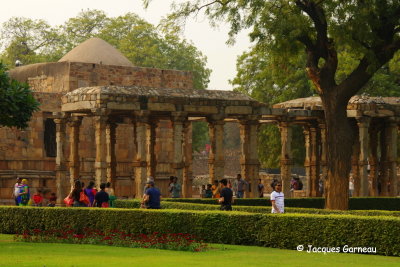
pixel 38 199
pixel 52 200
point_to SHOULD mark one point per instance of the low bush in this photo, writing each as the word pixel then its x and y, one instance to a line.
pixel 355 203
pixel 272 230
pixel 134 204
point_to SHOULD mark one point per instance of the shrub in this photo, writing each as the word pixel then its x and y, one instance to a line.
pixel 273 230
pixel 355 203
pixel 133 204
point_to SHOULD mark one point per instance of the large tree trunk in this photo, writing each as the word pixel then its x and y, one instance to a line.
pixel 340 138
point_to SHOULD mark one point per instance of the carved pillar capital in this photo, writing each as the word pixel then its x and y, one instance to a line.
pixel 363 122
pixel 75 121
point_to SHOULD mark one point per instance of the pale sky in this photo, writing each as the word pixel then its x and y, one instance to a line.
pixel 221 57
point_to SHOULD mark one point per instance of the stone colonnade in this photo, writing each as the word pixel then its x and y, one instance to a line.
pixel 144 138
pixel 369 172
pixel 315 157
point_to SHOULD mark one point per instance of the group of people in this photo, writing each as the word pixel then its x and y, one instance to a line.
pixel 224 193
pixel 239 187
pixel 22 195
pixel 90 196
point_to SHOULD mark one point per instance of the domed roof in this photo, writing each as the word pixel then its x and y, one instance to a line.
pixel 96 50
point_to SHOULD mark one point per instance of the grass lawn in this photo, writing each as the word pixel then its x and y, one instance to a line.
pixel 40 254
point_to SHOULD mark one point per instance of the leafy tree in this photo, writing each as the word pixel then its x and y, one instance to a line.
pixel 200 135
pixel 27 40
pixel 319 30
pixel 16 101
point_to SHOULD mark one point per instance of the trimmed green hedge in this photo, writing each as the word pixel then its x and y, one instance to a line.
pixel 134 204
pixel 272 230
pixel 355 203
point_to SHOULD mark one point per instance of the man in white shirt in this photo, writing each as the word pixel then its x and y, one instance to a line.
pixel 278 199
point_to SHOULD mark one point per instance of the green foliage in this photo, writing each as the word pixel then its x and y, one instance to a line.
pixel 134 204
pixel 200 135
pixel 355 203
pixel 27 40
pixel 145 45
pixel 16 101
pixel 272 230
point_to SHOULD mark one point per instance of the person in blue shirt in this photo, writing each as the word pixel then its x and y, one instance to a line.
pixel 152 196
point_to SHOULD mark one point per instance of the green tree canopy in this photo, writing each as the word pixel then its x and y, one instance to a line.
pixel 16 101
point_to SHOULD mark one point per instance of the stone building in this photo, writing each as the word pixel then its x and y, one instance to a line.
pixel 103 119
pixel 374 160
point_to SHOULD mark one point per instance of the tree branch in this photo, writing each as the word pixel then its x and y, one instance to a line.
pixel 360 76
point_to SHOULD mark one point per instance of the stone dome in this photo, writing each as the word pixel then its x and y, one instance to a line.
pixel 98 51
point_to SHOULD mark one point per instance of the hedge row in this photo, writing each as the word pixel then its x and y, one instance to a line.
pixel 134 204
pixel 356 203
pixel 272 230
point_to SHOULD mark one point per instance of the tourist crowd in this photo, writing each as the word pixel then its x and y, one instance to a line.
pixel 81 196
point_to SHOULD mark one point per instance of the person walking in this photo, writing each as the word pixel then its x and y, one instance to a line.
pixel 75 194
pixel 260 189
pixel 278 199
pixel 226 197
pixel 216 189
pixel 16 190
pixel 241 186
pixel 175 188
pixel 24 194
pixel 90 192
pixel 111 194
pixel 101 198
pixel 152 197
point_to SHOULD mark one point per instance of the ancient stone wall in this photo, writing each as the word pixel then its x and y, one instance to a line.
pixel 22 152
pixel 86 74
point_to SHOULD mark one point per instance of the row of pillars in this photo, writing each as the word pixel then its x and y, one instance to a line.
pixel 144 160
pixel 376 147
pixel 249 162
pixel 365 151
pixel 315 157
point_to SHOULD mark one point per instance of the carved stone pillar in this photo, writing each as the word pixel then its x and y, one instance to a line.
pixel 355 167
pixel 100 164
pixel 74 163
pixel 307 159
pixel 363 125
pixel 188 159
pixel 383 178
pixel 323 161
pixel 314 157
pixel 61 171
pixel 135 164
pixel 151 143
pixel 140 163
pixel 373 161
pixel 249 157
pixel 392 156
pixel 178 119
pixel 216 160
pixel 111 159
pixel 286 156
